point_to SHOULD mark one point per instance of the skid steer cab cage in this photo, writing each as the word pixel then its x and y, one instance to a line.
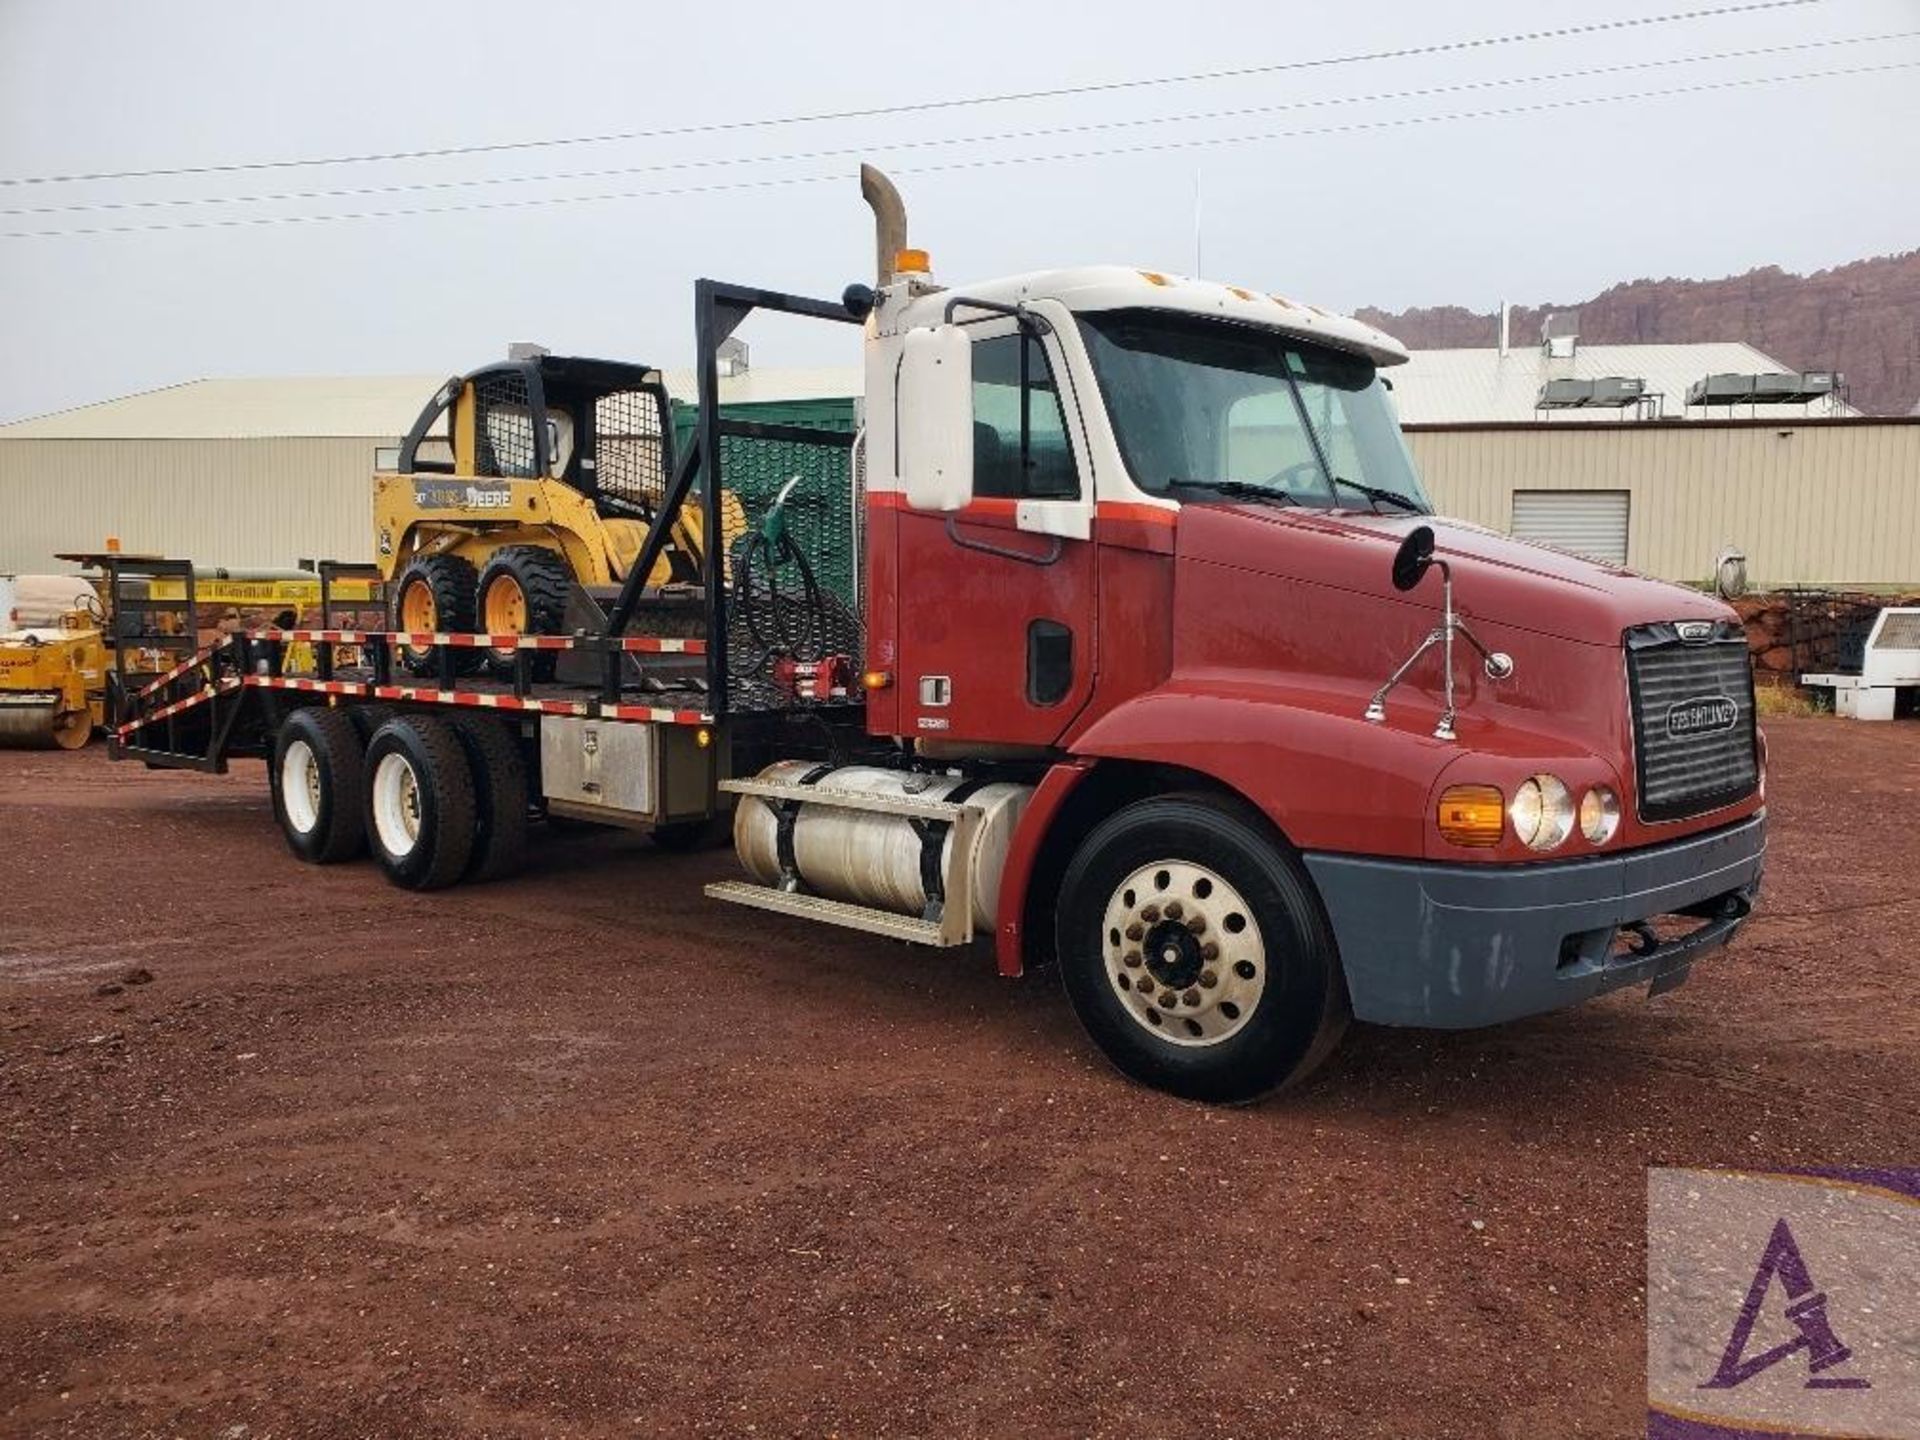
pixel 601 427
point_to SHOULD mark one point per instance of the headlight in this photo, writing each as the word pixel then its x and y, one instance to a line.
pixel 1599 814
pixel 1541 812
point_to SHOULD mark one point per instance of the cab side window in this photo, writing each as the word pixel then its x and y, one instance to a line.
pixel 1020 448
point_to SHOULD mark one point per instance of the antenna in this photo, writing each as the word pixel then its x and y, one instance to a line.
pixel 1199 266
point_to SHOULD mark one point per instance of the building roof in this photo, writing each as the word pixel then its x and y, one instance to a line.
pixel 1435 387
pixel 1467 387
pixel 363 407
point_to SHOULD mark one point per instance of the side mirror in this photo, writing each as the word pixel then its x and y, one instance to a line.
pixel 1414 557
pixel 933 416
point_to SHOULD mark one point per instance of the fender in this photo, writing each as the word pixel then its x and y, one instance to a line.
pixel 1036 821
pixel 1305 757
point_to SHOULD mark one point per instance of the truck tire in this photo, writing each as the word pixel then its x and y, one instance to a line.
pixel 1196 952
pixel 434 592
pixel 317 778
pixel 419 802
pixel 369 718
pixel 499 794
pixel 523 591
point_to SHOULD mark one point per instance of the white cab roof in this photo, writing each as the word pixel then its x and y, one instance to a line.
pixel 1121 287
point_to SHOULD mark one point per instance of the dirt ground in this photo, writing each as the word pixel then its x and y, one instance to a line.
pixel 585 1154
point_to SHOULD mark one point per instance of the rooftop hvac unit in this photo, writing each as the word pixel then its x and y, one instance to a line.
pixel 1616 392
pixel 1721 390
pixel 1564 394
pixel 1779 389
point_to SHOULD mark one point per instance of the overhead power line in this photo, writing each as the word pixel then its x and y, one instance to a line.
pixel 907 146
pixel 1160 147
pixel 924 106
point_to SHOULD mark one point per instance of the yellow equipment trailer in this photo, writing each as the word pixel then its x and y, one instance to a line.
pixel 56 637
pixel 518 483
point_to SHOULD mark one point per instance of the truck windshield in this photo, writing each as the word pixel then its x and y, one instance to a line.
pixel 1202 404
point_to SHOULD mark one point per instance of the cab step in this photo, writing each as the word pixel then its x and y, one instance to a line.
pixel 949 923
pixel 829 912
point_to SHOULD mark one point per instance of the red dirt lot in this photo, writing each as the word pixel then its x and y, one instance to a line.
pixel 586 1154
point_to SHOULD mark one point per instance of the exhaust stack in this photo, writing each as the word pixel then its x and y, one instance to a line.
pixel 889 221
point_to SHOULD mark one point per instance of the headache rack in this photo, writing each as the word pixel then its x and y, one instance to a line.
pixel 768 631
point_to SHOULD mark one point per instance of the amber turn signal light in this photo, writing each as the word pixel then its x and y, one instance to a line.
pixel 876 680
pixel 1473 815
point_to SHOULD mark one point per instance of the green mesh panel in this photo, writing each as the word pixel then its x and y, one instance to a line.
pixel 821 516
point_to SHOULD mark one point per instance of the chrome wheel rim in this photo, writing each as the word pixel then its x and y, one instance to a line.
pixel 1183 953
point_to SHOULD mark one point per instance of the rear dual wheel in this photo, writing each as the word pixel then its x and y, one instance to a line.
pixel 420 817
pixel 317 785
pixel 435 800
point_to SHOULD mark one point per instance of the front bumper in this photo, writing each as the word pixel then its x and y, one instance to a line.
pixel 1455 946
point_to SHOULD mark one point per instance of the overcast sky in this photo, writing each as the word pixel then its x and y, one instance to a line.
pixel 1553 203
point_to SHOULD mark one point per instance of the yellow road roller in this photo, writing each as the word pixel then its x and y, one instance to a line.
pixel 53 664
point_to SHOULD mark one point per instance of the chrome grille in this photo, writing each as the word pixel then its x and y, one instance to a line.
pixel 1692 700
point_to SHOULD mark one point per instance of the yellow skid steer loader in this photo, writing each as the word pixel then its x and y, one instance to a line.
pixel 524 487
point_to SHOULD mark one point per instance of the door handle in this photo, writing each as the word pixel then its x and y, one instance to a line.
pixel 1045 557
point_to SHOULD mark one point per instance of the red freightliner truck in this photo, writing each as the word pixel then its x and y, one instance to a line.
pixel 1123 638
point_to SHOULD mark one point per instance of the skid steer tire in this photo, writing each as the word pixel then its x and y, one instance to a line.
pixel 439 588
pixel 540 579
pixel 1196 952
pixel 499 794
pixel 419 802
pixel 317 777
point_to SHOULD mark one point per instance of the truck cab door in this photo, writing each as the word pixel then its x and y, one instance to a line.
pixel 995 601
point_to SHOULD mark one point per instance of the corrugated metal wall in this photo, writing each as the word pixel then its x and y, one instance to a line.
pixel 237 503
pixel 1833 504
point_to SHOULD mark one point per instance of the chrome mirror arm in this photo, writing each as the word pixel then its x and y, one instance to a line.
pixel 1498 664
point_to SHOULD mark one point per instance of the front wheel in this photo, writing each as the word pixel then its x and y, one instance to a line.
pixel 523 591
pixel 1196 953
pixel 434 593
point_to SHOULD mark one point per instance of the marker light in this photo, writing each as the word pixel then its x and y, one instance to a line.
pixel 1542 812
pixel 912 262
pixel 1472 815
pixel 703 737
pixel 876 680
pixel 1599 814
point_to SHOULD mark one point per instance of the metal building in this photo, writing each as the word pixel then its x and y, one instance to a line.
pixel 263 473
pixel 1818 502
pixel 1492 385
pixel 243 473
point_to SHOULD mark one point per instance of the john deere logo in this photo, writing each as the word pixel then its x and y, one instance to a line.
pixel 1702 716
